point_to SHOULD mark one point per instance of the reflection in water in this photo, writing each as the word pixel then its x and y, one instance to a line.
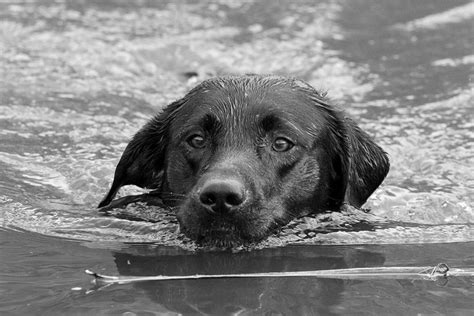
pixel 296 296
pixel 292 295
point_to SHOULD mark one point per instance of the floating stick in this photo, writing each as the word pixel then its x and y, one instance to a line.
pixel 424 273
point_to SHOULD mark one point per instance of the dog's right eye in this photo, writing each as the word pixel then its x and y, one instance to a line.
pixel 197 141
pixel 282 144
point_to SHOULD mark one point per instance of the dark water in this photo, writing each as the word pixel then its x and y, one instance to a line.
pixel 78 78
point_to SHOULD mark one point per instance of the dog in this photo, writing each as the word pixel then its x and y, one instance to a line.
pixel 240 156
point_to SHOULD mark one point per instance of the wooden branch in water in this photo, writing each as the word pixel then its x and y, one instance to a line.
pixel 427 273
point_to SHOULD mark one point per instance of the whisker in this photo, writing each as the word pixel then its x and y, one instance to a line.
pixel 174 200
pixel 166 193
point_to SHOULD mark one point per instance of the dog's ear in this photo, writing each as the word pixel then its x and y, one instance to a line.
pixel 143 160
pixel 358 165
pixel 369 165
pixel 336 144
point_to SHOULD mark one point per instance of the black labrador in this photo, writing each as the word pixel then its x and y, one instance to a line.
pixel 240 156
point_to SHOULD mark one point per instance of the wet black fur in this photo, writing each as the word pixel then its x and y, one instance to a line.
pixel 333 162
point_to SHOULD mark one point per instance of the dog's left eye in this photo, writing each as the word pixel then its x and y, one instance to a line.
pixel 282 144
pixel 197 141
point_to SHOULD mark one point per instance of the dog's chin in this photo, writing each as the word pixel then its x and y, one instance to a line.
pixel 222 235
pixel 220 241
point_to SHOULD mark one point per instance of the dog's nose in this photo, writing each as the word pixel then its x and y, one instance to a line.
pixel 222 195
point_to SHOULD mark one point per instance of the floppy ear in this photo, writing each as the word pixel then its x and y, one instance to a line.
pixel 143 160
pixel 338 149
pixel 358 165
pixel 369 165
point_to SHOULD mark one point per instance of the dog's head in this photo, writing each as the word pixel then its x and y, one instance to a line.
pixel 240 156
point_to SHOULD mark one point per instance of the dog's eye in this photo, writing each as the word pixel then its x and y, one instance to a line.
pixel 197 141
pixel 282 144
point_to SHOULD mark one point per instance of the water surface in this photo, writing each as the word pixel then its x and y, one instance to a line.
pixel 78 78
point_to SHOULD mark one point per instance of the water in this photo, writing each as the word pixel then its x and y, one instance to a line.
pixel 78 78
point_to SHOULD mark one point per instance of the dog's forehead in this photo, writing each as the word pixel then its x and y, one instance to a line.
pixel 230 101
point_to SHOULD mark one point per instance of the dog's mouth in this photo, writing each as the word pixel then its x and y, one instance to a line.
pixel 241 229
